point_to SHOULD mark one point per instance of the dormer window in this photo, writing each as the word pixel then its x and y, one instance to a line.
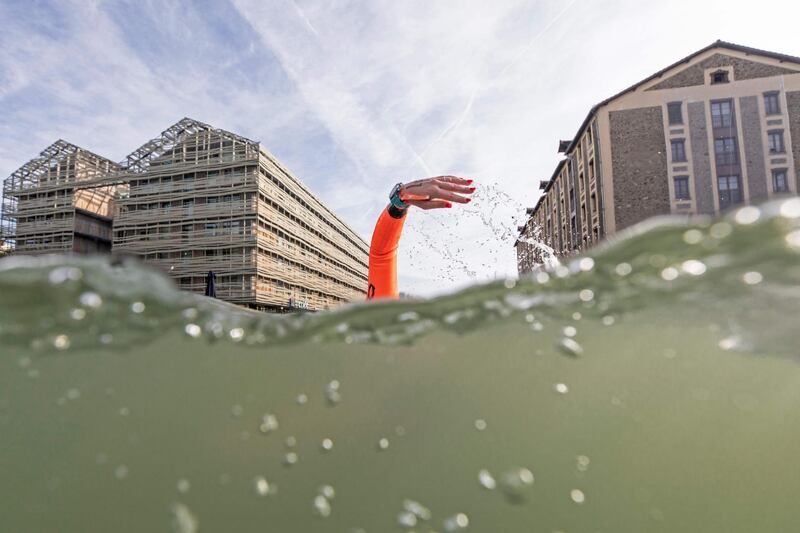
pixel 720 76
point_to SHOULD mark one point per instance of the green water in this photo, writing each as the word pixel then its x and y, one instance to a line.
pixel 653 387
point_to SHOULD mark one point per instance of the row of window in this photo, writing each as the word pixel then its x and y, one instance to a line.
pixel 729 187
pixel 726 150
pixel 721 111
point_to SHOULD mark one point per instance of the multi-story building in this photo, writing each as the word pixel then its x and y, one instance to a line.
pixel 717 129
pixel 202 200
pixel 47 210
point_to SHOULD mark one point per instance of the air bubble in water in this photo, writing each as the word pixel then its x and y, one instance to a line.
pixel 321 506
pixel 623 269
pixel 542 277
pixel 417 509
pixel 669 274
pixel 237 410
pixel 77 314
pixel 570 347
pixel 121 472
pixel 577 496
pixel 486 480
pixel 790 208
pixel 236 334
pixel 752 278
pixel 290 459
pixel 261 485
pixel 332 393
pixel 327 491
pixel 91 299
pixel 327 445
pixel 137 307
pixel 747 215
pixel 586 295
pixel 106 338
pixel 73 394
pixel 406 519
pixel 586 264
pixel 561 388
pixel 383 444
pixel 480 424
pixel 576 316
pixel 269 423
pixel 793 240
pixel 456 522
pixel 183 520
pixel 608 320
pixel 582 463
pixel 720 230
pixel 183 486
pixel 694 267
pixel 124 411
pixel 193 330
pixel 61 342
pixel 290 442
pixel 570 331
pixel 693 236
pixel 301 399
pixel 60 275
pixel 516 483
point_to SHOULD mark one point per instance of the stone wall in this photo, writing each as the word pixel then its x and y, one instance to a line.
pixel 639 165
pixel 702 177
pixel 793 107
pixel 753 148
pixel 743 69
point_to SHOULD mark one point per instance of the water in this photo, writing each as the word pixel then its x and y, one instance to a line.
pixel 651 387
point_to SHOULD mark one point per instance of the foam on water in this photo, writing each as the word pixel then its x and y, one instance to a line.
pixel 668 357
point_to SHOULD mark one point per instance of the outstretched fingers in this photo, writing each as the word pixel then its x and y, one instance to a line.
pixel 432 204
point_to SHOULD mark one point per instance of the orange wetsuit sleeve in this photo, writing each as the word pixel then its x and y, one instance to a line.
pixel 383 254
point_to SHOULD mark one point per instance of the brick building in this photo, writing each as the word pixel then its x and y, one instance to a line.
pixel 717 129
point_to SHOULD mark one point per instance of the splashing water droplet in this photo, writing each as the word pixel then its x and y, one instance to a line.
pixel 406 519
pixel 61 275
pixel 121 472
pixel 417 509
pixel 236 334
pixel 237 410
pixel 570 331
pixel 332 394
pixel 290 459
pixel 561 388
pixel 608 320
pixel 623 269
pixel 327 445
pixel 327 491
pixel 790 208
pixel 577 496
pixel 480 424
pixel 486 480
pixel 582 463
pixel 586 295
pixel 693 236
pixel 694 267
pixel 77 314
pixel 138 307
pixel 383 444
pixel 301 399
pixel 793 240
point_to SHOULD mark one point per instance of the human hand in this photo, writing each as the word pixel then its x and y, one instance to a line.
pixel 437 193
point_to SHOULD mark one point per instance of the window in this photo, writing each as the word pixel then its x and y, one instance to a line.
pixel 772 105
pixel 679 151
pixel 682 188
pixel 730 193
pixel 721 114
pixel 720 76
pixel 725 150
pixel 675 113
pixel 776 142
pixel 779 183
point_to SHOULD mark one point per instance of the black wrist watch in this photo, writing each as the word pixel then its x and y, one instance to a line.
pixel 394 197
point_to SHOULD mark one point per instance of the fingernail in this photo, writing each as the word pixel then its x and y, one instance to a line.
pixel 469 200
pixel 472 189
pixel 449 205
pixel 469 182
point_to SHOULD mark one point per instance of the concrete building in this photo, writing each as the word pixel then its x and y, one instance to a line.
pixel 46 208
pixel 717 129
pixel 193 200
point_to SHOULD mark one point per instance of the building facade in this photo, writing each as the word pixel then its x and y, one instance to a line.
pixel 194 200
pixel 202 199
pixel 46 208
pixel 718 129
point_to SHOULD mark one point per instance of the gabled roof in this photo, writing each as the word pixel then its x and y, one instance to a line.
pixel 31 171
pixel 139 160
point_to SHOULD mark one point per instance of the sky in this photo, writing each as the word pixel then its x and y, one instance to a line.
pixel 354 97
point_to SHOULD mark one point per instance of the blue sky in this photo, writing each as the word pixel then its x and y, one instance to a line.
pixel 355 96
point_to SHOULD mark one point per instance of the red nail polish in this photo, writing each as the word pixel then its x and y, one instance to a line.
pixel 472 189
pixel 469 182
pixel 448 205
pixel 469 200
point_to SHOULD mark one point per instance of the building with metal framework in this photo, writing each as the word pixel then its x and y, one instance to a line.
pixel 201 199
pixel 47 210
